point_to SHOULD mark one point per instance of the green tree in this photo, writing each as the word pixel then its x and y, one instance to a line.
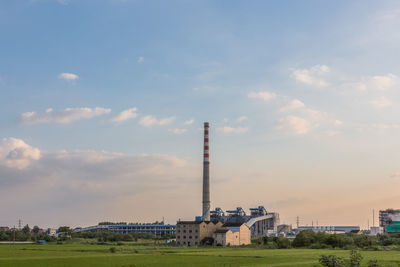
pixel 26 230
pixel 355 258
pixel 35 229
pixel 304 238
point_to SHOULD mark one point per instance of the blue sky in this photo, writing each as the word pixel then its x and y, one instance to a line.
pixel 302 97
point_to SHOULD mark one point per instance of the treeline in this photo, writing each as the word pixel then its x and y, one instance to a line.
pixel 25 234
pixel 310 239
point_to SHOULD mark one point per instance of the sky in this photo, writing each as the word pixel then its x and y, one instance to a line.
pixel 103 102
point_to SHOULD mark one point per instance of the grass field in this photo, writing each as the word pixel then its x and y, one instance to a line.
pixel 151 255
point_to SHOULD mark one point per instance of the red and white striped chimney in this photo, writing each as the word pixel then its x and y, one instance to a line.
pixel 206 175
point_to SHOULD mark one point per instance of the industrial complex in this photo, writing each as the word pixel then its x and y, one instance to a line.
pixel 236 226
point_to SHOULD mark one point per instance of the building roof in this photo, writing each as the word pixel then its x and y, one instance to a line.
pixel 221 231
pixel 195 222
pixel 232 224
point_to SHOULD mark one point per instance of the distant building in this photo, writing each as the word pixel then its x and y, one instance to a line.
pixel 4 228
pixel 389 220
pixel 232 234
pixel 51 231
pixel 331 229
pixel 158 230
pixel 375 230
pixel 192 233
pixel 283 228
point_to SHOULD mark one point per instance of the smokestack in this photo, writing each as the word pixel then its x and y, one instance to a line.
pixel 206 176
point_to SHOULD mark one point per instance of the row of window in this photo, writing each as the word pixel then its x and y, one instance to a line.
pixel 178 231
pixel 188 243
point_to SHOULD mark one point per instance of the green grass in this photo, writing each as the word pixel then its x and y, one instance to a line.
pixel 152 255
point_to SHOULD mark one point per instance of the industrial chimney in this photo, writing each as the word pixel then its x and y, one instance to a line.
pixel 206 176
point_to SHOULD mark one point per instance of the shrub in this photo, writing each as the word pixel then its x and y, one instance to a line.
pixel 113 249
pixel 331 261
pixel 355 258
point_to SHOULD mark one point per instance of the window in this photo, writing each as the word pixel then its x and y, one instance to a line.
pixel 190 231
pixel 177 231
pixel 196 231
pixel 184 231
pixel 190 237
pixel 184 236
pixel 178 236
pixel 195 237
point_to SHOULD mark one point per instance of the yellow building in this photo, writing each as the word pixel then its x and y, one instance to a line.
pixel 192 233
pixel 232 234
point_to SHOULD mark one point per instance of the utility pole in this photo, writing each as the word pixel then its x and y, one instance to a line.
pixel 373 218
pixel 297 222
pixel 19 224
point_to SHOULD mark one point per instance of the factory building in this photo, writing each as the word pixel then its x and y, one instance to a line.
pixel 389 220
pixel 232 234
pixel 258 223
pixel 158 230
pixel 194 233
pixel 331 229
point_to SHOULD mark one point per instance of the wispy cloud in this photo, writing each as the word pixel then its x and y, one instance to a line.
pixel 67 115
pixel 294 104
pixel 177 131
pixel 294 124
pixel 125 115
pixel 150 120
pixel 68 76
pixel 241 119
pixel 235 130
pixel 188 122
pixel 140 60
pixel 264 95
pixel 313 76
pixel 381 102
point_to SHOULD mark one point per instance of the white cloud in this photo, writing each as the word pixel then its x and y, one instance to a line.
pixel 383 82
pixel 395 175
pixel 236 130
pixel 294 124
pixel 15 153
pixel 189 122
pixel 381 102
pixel 294 104
pixel 262 95
pixel 241 119
pixel 140 59
pixel 377 82
pixel 177 131
pixel 150 120
pixel 337 122
pixel 68 76
pixel 65 116
pixel 331 133
pixel 89 179
pixel 313 76
pixel 125 115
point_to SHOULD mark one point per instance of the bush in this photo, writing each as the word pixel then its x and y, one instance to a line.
pixel 331 261
pixel 373 263
pixel 355 258
pixel 304 238
pixel 113 249
pixel 281 242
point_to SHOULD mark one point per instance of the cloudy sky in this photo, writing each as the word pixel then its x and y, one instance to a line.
pixel 102 105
